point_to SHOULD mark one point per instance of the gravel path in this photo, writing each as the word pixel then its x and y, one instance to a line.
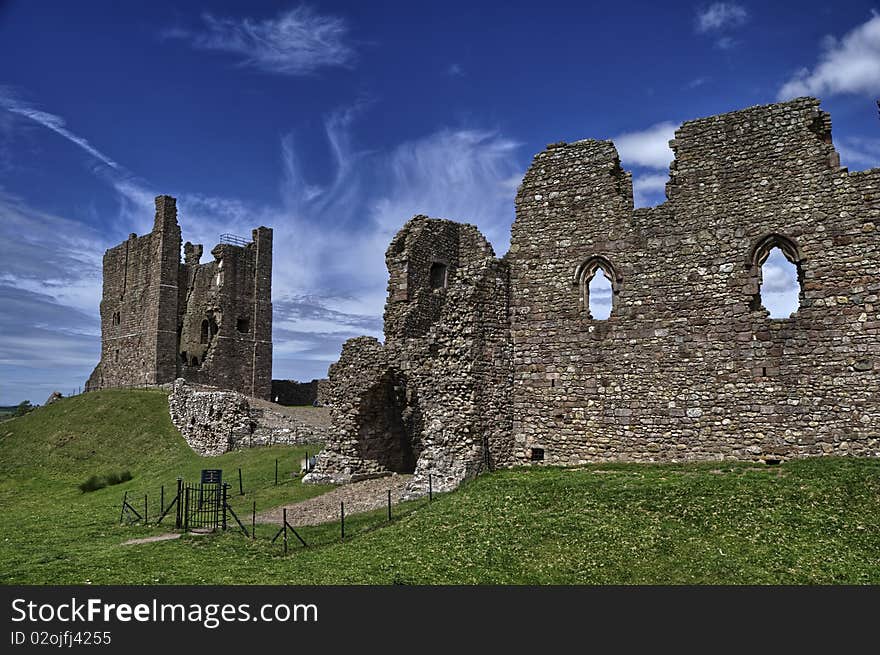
pixel 317 416
pixel 358 497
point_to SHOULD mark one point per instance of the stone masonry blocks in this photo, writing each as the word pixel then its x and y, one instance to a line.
pixel 492 362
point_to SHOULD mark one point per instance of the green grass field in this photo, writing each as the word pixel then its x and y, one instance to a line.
pixel 811 521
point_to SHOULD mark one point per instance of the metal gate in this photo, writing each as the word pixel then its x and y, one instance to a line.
pixel 202 506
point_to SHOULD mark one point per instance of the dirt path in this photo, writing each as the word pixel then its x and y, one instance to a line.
pixel 168 536
pixel 149 540
pixel 315 416
pixel 358 497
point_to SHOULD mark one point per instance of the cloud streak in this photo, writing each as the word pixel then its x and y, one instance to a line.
pixel 297 42
pixel 847 65
pixel 721 16
pixel 12 103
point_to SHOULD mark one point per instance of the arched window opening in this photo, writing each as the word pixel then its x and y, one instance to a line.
pixel 599 286
pixel 194 361
pixel 204 336
pixel 779 289
pixel 438 275
pixel 116 318
pixel 243 325
pixel 776 262
pixel 599 296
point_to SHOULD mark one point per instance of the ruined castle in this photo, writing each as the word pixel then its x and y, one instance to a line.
pixel 163 319
pixel 492 362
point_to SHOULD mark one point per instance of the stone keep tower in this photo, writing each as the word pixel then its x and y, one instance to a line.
pixel 208 323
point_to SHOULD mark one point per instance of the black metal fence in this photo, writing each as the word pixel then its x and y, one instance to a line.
pixel 206 507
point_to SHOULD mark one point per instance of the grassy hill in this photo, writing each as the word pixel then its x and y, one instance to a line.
pixel 812 521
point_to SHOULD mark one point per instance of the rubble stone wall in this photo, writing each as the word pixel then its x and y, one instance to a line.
pixel 410 405
pixel 214 422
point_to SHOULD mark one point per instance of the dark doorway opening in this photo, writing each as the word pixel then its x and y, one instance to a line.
pixel 383 435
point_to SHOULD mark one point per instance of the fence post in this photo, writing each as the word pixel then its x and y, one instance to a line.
pixel 254 522
pixel 342 518
pixel 186 510
pixel 389 504
pixel 276 470
pixel 122 511
pixel 225 486
pixel 285 531
pixel 179 518
pixel 162 499
pixel 430 489
pixel 240 487
pixel 145 509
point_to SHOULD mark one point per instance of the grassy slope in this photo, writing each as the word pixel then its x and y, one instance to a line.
pixel 802 522
pixel 53 532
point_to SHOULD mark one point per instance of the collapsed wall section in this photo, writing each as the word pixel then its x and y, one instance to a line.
pixel 225 317
pixel 434 399
pixel 214 422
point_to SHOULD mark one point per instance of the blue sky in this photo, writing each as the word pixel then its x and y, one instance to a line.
pixel 335 122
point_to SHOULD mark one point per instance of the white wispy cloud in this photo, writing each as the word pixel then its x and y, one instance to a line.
pixel 11 102
pixel 648 188
pixel 50 288
pixel 697 82
pixel 645 152
pixel 298 41
pixel 455 70
pixel 648 147
pixel 721 16
pixel 329 276
pixel 859 152
pixel 847 65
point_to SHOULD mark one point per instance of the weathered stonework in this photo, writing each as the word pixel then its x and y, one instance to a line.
pixel 323 392
pixel 208 323
pixel 493 362
pixel 214 422
pixel 434 399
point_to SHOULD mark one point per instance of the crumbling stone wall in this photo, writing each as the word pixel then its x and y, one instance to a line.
pixel 689 365
pixel 503 362
pixel 214 422
pixel 412 405
pixel 208 323
pixel 323 392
